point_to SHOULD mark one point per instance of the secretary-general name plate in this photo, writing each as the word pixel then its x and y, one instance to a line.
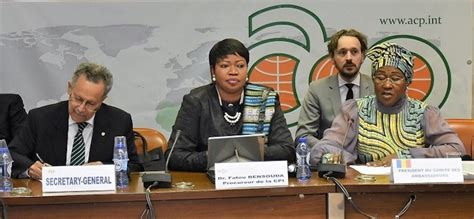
pixel 78 178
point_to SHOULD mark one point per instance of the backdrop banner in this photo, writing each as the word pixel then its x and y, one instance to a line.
pixel 158 50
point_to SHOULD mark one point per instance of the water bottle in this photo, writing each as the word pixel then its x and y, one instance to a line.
pixel 303 173
pixel 121 161
pixel 6 162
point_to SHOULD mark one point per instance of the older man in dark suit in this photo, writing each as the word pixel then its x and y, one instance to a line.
pixel 12 115
pixel 74 132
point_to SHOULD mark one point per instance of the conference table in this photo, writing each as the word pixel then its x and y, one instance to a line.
pixel 384 199
pixel 318 198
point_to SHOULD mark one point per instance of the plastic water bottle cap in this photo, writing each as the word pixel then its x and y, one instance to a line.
pixel 120 142
pixel 302 139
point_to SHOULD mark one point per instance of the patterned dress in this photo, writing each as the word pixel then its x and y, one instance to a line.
pixel 382 134
pixel 366 131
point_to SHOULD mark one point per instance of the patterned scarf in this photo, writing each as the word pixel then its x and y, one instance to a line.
pixel 259 106
pixel 391 54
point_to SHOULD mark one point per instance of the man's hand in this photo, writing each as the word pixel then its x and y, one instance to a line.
pixel 386 161
pixel 35 170
pixel 93 163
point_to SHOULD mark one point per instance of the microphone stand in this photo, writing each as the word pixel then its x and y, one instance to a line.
pixel 336 170
pixel 160 180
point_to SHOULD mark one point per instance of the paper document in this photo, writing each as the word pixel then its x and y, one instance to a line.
pixel 468 169
pixel 371 170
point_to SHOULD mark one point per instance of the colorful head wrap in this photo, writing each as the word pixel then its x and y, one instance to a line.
pixel 391 54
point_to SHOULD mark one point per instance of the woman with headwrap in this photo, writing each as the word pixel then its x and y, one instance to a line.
pixel 375 129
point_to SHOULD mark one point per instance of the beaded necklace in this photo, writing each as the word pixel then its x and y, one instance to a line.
pixel 232 120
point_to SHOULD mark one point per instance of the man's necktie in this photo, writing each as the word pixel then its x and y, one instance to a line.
pixel 350 93
pixel 78 155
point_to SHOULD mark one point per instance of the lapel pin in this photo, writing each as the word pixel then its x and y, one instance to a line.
pixel 103 133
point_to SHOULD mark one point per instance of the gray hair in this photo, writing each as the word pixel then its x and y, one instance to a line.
pixel 95 73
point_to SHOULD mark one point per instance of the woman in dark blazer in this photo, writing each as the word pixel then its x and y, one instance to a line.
pixel 229 105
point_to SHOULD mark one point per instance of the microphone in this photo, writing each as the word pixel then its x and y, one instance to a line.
pixel 466 157
pixel 178 133
pixel 160 179
pixel 335 168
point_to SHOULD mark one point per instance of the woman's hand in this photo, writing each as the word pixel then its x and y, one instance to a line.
pixel 385 162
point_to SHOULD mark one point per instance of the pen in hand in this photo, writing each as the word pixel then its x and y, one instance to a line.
pixel 42 161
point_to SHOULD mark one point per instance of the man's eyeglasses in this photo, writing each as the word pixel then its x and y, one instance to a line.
pixel 92 107
pixel 393 79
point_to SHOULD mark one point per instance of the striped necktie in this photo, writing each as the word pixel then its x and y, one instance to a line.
pixel 78 155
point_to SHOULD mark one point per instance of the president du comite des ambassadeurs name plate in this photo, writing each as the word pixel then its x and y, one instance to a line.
pixel 427 170
pixel 78 178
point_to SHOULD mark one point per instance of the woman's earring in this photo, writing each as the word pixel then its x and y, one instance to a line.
pixel 213 78
pixel 247 79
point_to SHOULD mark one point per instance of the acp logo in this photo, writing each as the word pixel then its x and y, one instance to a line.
pixel 291 52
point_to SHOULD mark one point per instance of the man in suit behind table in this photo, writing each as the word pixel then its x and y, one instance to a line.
pixel 53 133
pixel 324 98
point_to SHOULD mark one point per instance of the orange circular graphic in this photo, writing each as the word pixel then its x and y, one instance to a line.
pixel 418 89
pixel 323 69
pixel 277 72
pixel 422 78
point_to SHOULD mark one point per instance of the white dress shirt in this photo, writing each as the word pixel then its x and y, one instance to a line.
pixel 343 88
pixel 86 133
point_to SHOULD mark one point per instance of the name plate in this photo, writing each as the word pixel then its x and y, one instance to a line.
pixel 251 174
pixel 427 170
pixel 78 178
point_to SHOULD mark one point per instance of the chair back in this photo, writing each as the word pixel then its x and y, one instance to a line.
pixel 465 130
pixel 153 138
